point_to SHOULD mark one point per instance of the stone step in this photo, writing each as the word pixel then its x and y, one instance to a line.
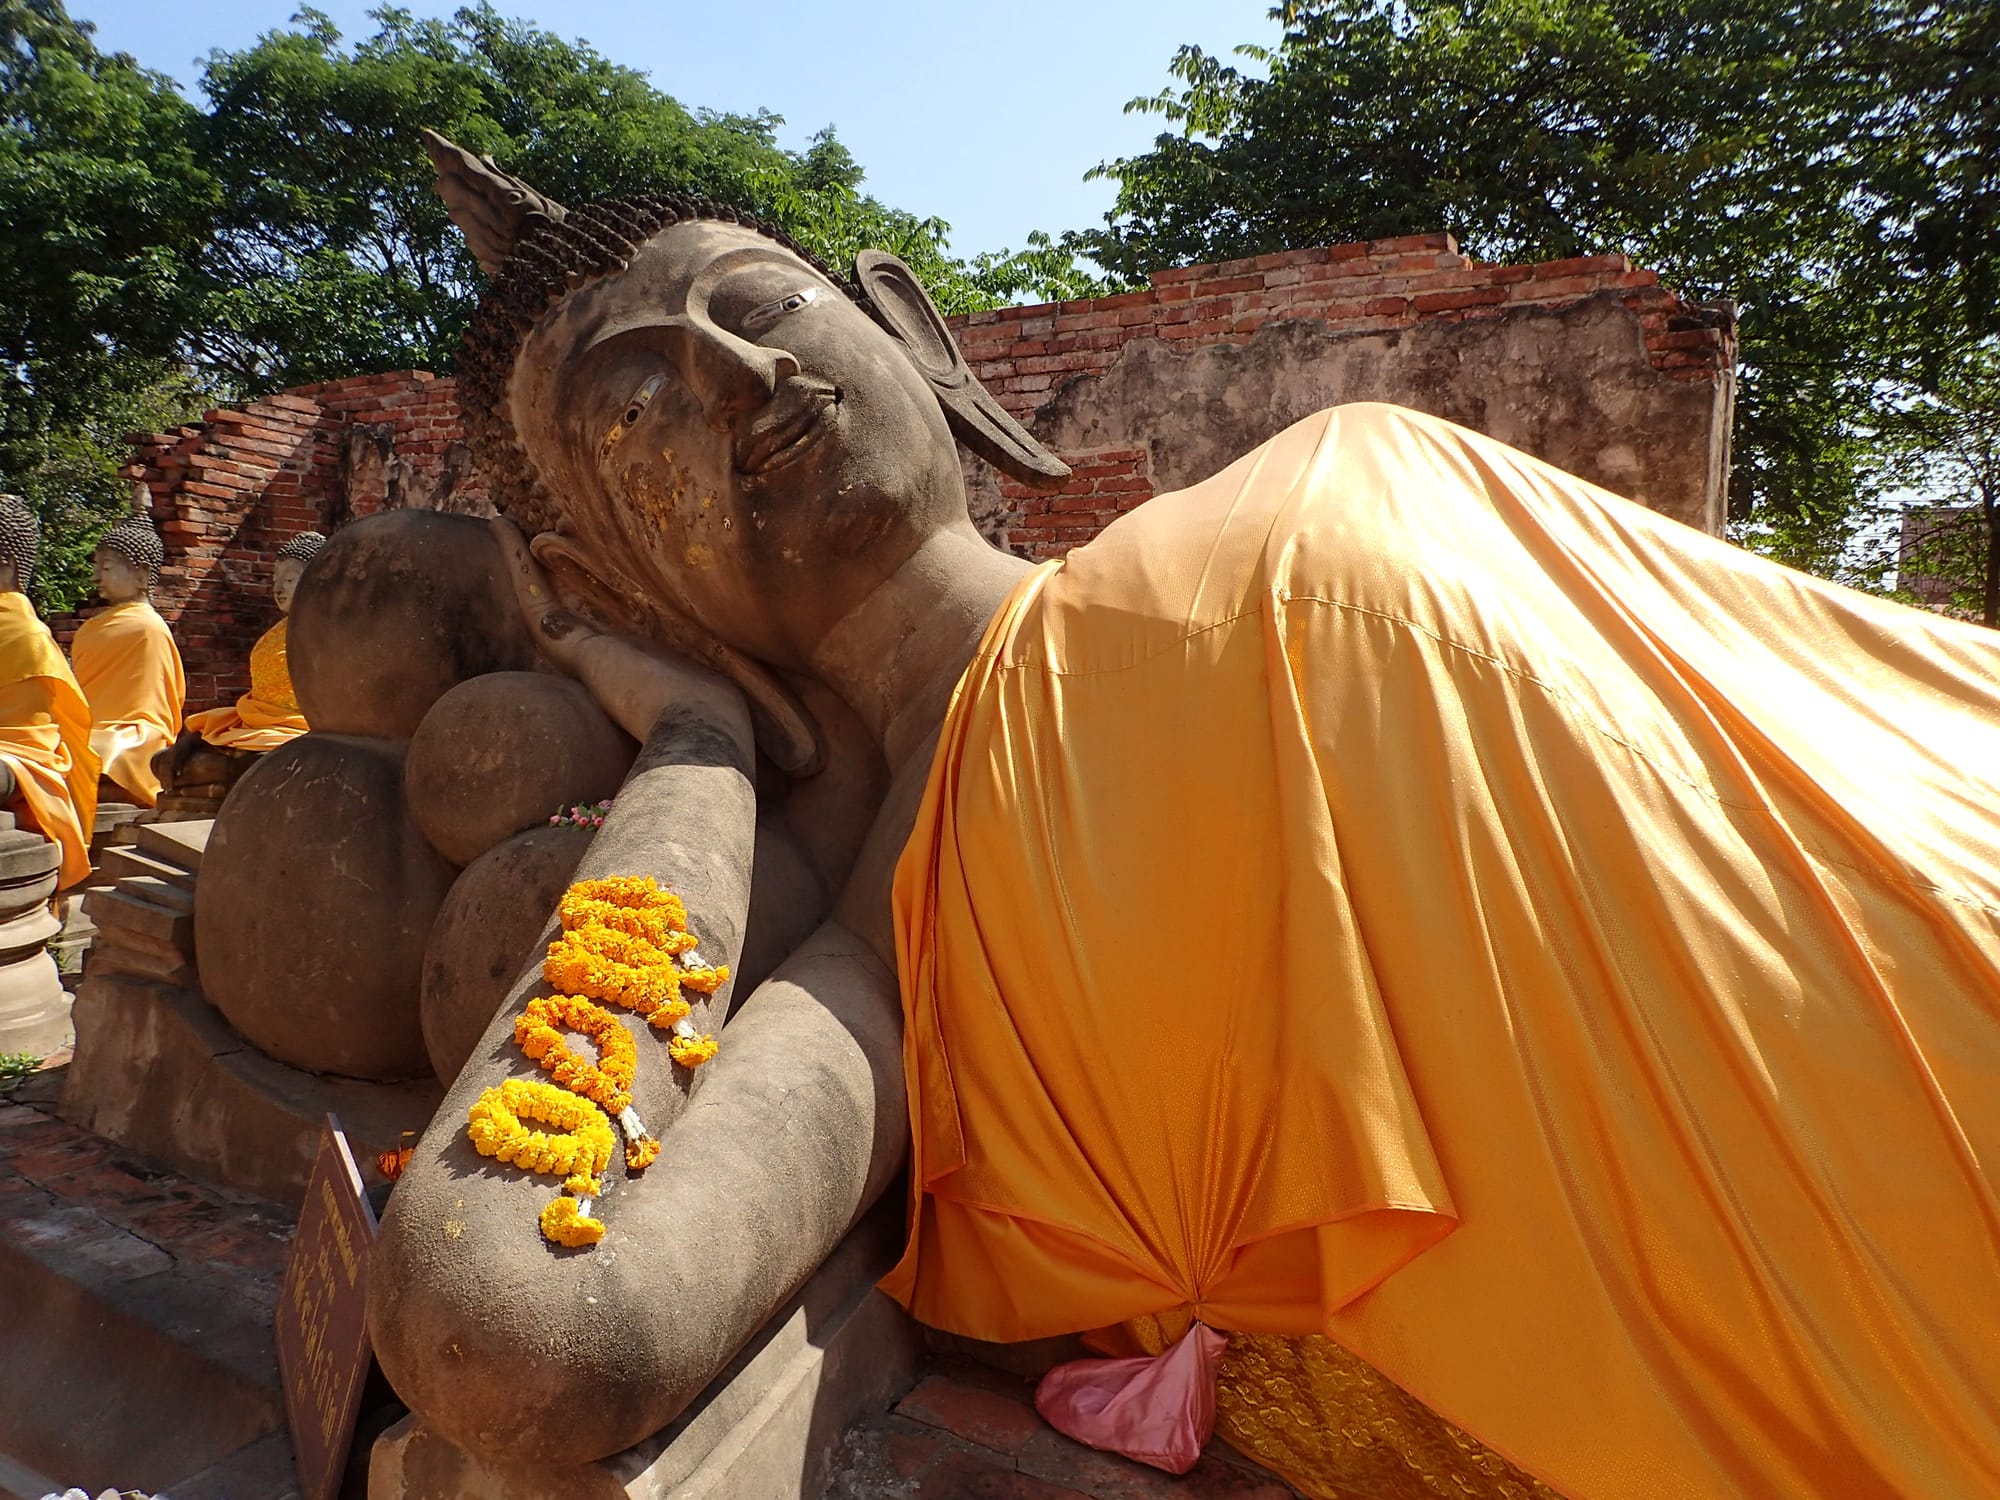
pixel 174 895
pixel 125 864
pixel 135 1322
pixel 177 843
pixel 117 909
pixel 112 815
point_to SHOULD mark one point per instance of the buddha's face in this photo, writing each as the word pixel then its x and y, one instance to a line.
pixel 741 435
pixel 285 575
pixel 117 580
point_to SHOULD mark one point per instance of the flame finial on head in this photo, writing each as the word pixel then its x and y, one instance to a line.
pixel 494 211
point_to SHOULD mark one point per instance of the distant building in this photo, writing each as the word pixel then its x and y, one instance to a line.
pixel 1940 558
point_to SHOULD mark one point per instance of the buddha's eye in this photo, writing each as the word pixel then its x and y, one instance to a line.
pixel 759 318
pixel 629 418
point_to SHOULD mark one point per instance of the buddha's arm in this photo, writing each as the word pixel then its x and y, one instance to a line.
pixel 635 686
pixel 468 1305
pixel 792 1132
pixel 505 1344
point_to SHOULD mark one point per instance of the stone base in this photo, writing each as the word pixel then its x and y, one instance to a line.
pixel 186 804
pixel 34 1006
pixel 135 1325
pixel 767 1429
pixel 159 1071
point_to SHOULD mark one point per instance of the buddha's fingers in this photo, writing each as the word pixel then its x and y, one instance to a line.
pixel 504 1344
pixel 556 631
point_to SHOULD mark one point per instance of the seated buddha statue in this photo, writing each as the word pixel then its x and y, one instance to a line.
pixel 48 770
pixel 218 743
pixel 1440 926
pixel 127 663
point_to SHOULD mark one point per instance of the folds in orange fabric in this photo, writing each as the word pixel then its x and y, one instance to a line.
pixel 1397 891
pixel 130 672
pixel 45 737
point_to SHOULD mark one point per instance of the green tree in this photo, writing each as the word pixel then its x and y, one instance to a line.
pixel 333 254
pixel 156 258
pixel 1946 450
pixel 1833 166
pixel 104 212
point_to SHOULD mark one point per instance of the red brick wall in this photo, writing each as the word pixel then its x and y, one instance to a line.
pixel 1026 355
pixel 230 490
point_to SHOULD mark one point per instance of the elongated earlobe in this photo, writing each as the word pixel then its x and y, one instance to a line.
pixel 903 307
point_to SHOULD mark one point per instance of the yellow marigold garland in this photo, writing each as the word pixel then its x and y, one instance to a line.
pixel 613 966
pixel 632 904
pixel 607 1083
pixel 625 942
pixel 582 1138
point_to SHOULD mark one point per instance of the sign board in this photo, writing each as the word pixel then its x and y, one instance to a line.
pixel 323 1353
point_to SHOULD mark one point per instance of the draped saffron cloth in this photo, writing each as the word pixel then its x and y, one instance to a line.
pixel 45 737
pixel 268 715
pixel 130 672
pixel 1397 891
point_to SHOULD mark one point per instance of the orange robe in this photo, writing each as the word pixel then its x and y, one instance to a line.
pixel 130 671
pixel 1397 891
pixel 265 717
pixel 45 737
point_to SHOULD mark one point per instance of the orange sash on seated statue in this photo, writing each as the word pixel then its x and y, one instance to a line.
pixel 131 675
pixel 45 737
pixel 1399 892
pixel 265 717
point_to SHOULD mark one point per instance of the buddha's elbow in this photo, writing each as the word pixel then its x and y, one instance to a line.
pixel 507 1346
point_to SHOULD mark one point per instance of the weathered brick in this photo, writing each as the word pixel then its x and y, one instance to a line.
pixel 1431 302
pixel 1577 265
pixel 1399 244
pixel 1228 284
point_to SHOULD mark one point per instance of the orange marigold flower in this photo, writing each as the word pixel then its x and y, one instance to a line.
pixel 692 1051
pixel 565 1223
pixel 641 1154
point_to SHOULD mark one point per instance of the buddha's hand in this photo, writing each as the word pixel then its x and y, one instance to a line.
pixel 559 632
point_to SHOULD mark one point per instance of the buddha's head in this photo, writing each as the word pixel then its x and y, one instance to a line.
pixel 290 566
pixel 20 540
pixel 127 560
pixel 707 415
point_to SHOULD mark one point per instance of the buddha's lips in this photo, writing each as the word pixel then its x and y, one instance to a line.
pixel 793 423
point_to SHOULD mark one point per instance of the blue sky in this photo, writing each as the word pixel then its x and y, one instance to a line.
pixel 987 117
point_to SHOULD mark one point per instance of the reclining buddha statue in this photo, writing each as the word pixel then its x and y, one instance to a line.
pixel 1520 970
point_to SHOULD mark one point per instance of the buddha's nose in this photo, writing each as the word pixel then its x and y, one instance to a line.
pixel 733 376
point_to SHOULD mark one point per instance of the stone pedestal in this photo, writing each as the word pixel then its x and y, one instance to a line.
pixel 766 1429
pixel 34 1007
pixel 115 828
pixel 159 1070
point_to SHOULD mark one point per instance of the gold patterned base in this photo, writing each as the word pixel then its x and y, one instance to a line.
pixel 1334 1428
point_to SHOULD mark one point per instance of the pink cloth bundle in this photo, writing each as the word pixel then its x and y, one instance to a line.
pixel 1157 1409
